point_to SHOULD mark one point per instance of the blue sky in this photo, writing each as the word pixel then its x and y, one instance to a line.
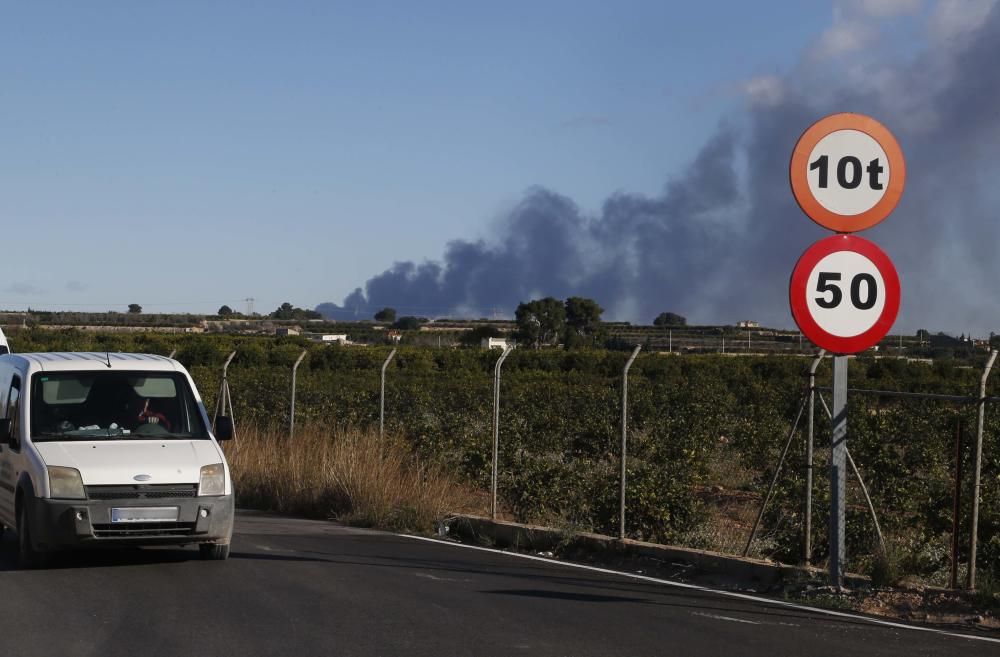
pixel 182 155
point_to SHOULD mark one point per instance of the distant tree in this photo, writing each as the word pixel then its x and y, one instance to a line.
pixel 583 322
pixel 288 311
pixel 284 311
pixel 409 323
pixel 386 315
pixel 474 337
pixel 134 308
pixel 670 319
pixel 225 311
pixel 923 335
pixel 540 322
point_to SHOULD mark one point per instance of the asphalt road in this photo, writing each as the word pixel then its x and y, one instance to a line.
pixel 301 588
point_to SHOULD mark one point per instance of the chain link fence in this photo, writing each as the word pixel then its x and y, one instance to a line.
pixel 705 436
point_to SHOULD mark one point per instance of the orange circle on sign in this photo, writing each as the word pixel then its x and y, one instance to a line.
pixel 799 172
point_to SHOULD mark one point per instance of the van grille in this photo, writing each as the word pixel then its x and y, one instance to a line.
pixel 144 529
pixel 140 492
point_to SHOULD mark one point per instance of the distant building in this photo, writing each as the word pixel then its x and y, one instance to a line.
pixel 286 331
pixel 340 338
pixel 494 343
pixel 748 324
pixel 394 336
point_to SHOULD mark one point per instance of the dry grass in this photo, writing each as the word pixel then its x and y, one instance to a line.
pixel 348 474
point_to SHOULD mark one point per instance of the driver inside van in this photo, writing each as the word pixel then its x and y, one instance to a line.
pixel 150 414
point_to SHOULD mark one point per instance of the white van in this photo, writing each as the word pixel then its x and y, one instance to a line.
pixel 99 449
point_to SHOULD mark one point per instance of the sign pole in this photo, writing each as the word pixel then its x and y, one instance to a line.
pixel 847 174
pixel 838 472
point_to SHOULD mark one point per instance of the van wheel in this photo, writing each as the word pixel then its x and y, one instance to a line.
pixel 214 551
pixel 27 556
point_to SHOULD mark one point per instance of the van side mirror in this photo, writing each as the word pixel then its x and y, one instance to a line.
pixel 223 427
pixel 5 431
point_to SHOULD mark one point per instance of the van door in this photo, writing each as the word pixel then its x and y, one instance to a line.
pixel 10 455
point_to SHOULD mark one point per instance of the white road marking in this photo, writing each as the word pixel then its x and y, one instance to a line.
pixel 725 618
pixel 440 579
pixel 742 620
pixel 705 589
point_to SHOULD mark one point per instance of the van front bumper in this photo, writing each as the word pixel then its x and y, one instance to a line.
pixel 57 524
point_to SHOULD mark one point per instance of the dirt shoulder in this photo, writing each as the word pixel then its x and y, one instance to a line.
pixel 914 604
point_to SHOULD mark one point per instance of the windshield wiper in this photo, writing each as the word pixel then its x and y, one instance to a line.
pixel 48 436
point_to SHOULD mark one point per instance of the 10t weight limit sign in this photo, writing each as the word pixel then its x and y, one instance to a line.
pixel 847 172
pixel 844 294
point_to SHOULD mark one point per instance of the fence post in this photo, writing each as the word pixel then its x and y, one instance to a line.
pixel 496 428
pixel 868 500
pixel 809 453
pixel 621 499
pixel 774 480
pixel 291 413
pixel 971 582
pixel 224 397
pixel 381 396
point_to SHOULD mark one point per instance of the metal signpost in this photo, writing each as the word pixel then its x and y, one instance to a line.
pixel 847 174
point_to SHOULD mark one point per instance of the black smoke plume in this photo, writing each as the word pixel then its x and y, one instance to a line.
pixel 719 243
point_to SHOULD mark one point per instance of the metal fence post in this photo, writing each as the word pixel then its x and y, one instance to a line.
pixel 774 480
pixel 225 399
pixel 291 413
pixel 971 581
pixel 868 500
pixel 621 499
pixel 496 428
pixel 381 396
pixel 809 454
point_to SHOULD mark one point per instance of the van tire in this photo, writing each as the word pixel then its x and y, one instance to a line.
pixel 214 551
pixel 28 557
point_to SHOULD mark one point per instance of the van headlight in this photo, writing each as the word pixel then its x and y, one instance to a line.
pixel 212 480
pixel 65 483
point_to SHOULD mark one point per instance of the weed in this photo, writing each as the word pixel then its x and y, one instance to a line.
pixel 349 474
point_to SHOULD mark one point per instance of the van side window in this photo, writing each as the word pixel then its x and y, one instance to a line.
pixel 13 405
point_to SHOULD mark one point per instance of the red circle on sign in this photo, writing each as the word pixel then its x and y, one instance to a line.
pixel 799 172
pixel 798 294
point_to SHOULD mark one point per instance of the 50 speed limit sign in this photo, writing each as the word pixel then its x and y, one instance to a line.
pixel 847 172
pixel 844 294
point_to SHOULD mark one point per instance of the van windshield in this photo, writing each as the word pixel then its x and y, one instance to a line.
pixel 113 405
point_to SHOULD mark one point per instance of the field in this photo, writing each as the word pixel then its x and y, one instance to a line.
pixel 705 434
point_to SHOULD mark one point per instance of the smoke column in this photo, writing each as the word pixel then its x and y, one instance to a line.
pixel 719 243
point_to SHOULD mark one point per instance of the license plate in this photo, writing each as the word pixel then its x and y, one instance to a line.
pixel 145 514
